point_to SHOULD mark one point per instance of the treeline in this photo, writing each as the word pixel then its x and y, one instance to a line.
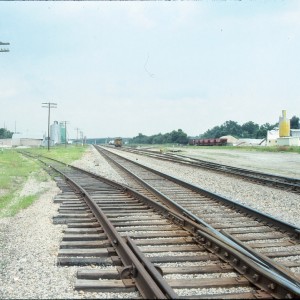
pixel 5 134
pixel 177 137
pixel 247 130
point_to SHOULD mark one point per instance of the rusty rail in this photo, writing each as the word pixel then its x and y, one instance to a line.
pixel 146 283
pixel 149 280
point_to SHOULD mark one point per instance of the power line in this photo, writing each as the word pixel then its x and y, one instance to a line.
pixel 4 50
pixel 49 105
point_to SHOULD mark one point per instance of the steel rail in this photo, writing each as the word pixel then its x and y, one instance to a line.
pixel 288 183
pixel 224 248
pixel 150 285
pixel 292 229
pixel 177 207
pixel 281 181
pixel 269 266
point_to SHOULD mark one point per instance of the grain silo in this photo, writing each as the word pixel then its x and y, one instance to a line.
pixel 284 132
pixel 284 125
pixel 55 133
pixel 63 133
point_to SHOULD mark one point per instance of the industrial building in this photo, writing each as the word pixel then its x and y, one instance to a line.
pixel 284 135
pixel 57 133
pixel 21 140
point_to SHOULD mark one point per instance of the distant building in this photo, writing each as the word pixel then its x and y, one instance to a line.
pixel 295 133
pixel 272 136
pixel 63 133
pixel 57 133
pixel 19 139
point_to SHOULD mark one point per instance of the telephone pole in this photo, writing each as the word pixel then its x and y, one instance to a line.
pixel 81 136
pixel 77 136
pixel 49 105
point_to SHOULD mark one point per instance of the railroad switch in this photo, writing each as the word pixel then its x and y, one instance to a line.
pixel 262 295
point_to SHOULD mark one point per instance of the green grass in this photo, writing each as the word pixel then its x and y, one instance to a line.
pixel 22 203
pixel 66 154
pixel 15 169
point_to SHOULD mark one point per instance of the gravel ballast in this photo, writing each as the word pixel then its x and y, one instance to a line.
pixel 29 241
pixel 278 203
pixel 29 245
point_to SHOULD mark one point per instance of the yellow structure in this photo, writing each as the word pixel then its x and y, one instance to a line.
pixel 284 125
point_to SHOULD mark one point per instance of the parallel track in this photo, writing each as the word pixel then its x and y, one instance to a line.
pixel 273 239
pixel 275 181
pixel 146 232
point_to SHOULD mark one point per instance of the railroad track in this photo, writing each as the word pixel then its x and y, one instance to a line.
pixel 145 246
pixel 276 181
pixel 269 237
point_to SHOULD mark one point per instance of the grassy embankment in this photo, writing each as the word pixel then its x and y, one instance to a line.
pixel 15 170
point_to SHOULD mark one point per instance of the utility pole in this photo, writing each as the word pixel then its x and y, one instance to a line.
pixel 81 137
pixel 4 50
pixel 77 135
pixel 49 105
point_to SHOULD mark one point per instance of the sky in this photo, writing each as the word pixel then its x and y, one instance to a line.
pixel 123 68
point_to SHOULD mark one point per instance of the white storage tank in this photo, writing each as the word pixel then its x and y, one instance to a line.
pixel 55 133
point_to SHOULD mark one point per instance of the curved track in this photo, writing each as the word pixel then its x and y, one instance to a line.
pixel 110 224
pixel 273 239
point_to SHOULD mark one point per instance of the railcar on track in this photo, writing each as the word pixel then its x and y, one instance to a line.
pixel 118 142
pixel 208 142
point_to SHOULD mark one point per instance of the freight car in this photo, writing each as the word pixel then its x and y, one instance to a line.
pixel 118 142
pixel 208 142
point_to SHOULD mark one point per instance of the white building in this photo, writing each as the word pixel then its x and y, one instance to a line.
pixel 272 136
pixel 19 139
pixel 55 133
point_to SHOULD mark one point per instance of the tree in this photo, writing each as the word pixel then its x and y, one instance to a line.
pixel 5 134
pixel 295 123
pixel 182 137
pixel 227 128
pixel 233 128
pixel 249 129
pixel 178 137
pixel 263 129
pixel 158 139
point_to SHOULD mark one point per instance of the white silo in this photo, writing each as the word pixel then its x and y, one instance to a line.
pixel 55 133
